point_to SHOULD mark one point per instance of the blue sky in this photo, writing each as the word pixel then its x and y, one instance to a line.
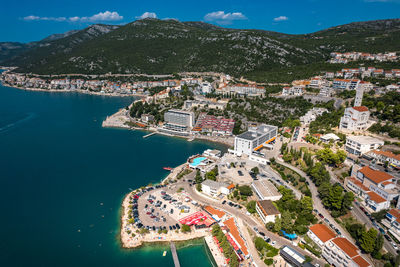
pixel 26 21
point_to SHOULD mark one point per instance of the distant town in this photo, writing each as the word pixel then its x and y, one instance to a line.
pixel 310 175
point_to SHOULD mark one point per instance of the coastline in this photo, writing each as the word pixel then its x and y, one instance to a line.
pixel 120 118
pixel 70 91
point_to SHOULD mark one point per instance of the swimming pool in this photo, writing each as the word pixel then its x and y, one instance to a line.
pixel 197 161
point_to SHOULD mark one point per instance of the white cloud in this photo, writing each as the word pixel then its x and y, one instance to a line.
pixel 281 18
pixel 221 17
pixel 147 15
pixel 36 18
pixel 99 17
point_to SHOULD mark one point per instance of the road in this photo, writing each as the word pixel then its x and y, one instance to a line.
pixel 316 200
pixel 274 176
pixel 360 216
pixel 250 221
pixel 319 206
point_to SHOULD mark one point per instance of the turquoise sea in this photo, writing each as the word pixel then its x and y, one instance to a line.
pixel 63 177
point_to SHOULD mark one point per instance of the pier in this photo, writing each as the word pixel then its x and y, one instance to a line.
pixel 148 135
pixel 175 255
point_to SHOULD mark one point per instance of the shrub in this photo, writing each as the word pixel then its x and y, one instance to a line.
pixel 268 261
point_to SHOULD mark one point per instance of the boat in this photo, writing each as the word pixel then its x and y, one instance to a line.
pixel 165 253
pixel 168 168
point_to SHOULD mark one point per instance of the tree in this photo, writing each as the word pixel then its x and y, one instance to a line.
pixel 259 243
pixel 335 197
pixel 185 228
pixel 245 190
pixel 278 224
pixel 306 203
pixel 348 199
pixel 368 240
pixel 378 245
pixel 198 179
pixel 286 220
pixel 251 207
pixel 255 170
pixel 198 187
pixel 356 230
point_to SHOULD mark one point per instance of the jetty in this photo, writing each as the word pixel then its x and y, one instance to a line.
pixel 148 135
pixel 175 255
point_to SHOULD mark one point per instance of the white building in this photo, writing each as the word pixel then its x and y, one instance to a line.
pixel 393 222
pixel 206 88
pixel 242 89
pixel 355 119
pixel 265 190
pixel 328 137
pixel 320 234
pixel 267 211
pixel 293 91
pixel 178 122
pixel 214 188
pixel 385 156
pixel 359 144
pixel 311 115
pixel 340 252
pixel 254 139
pixel 376 202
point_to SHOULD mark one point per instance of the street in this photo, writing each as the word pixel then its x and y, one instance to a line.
pixel 248 220
pixel 361 217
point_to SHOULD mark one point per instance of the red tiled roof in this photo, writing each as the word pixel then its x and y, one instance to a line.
pixel 395 213
pixel 361 108
pixel 360 261
pixel 375 175
pixel 322 232
pixel 375 197
pixel 213 211
pixel 231 186
pixel 230 224
pixel 387 154
pixel 346 246
pixel 358 183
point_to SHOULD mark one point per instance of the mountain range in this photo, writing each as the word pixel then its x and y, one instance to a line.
pixel 156 46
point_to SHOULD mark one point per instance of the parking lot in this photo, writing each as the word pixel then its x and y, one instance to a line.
pixel 162 208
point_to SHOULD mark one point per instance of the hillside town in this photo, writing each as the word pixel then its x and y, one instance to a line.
pixel 343 180
pixel 343 58
pixel 318 188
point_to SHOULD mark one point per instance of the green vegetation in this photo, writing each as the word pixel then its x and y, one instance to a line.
pixel 212 175
pixel 296 215
pixel 370 241
pixel 251 207
pixel 255 170
pixel 379 216
pixel 183 173
pixel 323 124
pixel 228 251
pixel 392 130
pixel 385 107
pixel 293 177
pixel 138 108
pixel 327 156
pixel 268 110
pixel 245 190
pixel 185 228
pixel 265 250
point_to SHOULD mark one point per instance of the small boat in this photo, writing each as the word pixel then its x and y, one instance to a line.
pixel 168 168
pixel 165 253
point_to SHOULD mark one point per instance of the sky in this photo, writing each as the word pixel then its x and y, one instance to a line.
pixel 27 20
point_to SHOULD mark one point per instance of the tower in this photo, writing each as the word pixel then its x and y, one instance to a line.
pixel 359 96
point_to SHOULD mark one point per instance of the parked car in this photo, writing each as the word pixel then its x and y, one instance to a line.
pixel 388 238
